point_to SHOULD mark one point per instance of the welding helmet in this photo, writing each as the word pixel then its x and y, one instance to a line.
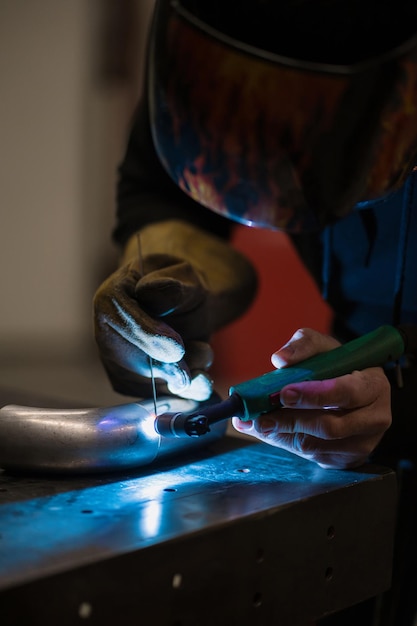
pixel 284 114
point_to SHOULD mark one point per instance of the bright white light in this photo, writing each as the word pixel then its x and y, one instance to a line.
pixel 150 521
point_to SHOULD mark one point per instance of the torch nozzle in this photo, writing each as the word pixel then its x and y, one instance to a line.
pixel 197 423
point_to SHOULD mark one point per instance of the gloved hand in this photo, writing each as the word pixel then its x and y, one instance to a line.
pixel 336 422
pixel 176 285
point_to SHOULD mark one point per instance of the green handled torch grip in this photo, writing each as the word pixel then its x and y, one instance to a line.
pixel 260 395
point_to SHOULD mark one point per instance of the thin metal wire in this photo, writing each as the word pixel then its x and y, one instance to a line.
pixel 149 357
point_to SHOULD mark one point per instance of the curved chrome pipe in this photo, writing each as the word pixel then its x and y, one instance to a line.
pixel 91 440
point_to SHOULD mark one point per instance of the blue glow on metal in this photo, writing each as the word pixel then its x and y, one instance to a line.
pixel 150 521
pixel 51 534
pixel 108 423
pixel 147 426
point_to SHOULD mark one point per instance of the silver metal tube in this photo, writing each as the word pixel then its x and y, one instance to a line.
pixel 91 440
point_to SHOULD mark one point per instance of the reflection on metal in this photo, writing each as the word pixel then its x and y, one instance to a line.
pixel 91 439
pixel 151 522
pixel 245 525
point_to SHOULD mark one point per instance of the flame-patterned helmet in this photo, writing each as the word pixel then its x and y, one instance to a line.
pixel 284 114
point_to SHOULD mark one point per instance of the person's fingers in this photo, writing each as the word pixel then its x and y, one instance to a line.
pixel 333 453
pixel 199 355
pixel 155 338
pixel 175 287
pixel 336 423
pixel 356 390
pixel 350 406
pixel 200 387
pixel 117 312
pixel 341 453
pixel 304 343
pixel 127 357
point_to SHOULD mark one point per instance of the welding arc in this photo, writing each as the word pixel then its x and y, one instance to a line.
pixel 198 423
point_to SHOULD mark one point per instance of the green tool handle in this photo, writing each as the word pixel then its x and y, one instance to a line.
pixel 260 395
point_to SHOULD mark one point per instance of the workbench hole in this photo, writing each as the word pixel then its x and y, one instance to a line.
pixel 177 581
pixel 257 599
pixel 331 532
pixel 329 573
pixel 84 610
pixel 170 489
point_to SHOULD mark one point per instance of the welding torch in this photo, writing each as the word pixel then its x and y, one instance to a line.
pixel 250 399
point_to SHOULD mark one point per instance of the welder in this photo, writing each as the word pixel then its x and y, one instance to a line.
pixel 299 116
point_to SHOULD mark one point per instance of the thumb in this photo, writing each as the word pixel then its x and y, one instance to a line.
pixel 174 288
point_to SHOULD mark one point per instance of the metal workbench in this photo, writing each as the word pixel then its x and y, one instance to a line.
pixel 238 534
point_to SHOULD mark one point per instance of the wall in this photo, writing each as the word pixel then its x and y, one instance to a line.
pixel 43 47
pixel 63 122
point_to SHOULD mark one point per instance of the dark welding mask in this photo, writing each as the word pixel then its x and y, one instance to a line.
pixel 284 114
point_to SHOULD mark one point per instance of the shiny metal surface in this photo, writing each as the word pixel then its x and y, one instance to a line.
pixel 243 526
pixel 90 439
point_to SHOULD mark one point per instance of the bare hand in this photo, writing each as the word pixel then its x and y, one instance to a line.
pixel 336 422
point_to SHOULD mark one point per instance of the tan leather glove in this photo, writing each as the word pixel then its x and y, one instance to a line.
pixel 176 285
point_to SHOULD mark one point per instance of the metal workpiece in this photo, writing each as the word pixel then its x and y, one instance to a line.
pixel 91 440
pixel 240 534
